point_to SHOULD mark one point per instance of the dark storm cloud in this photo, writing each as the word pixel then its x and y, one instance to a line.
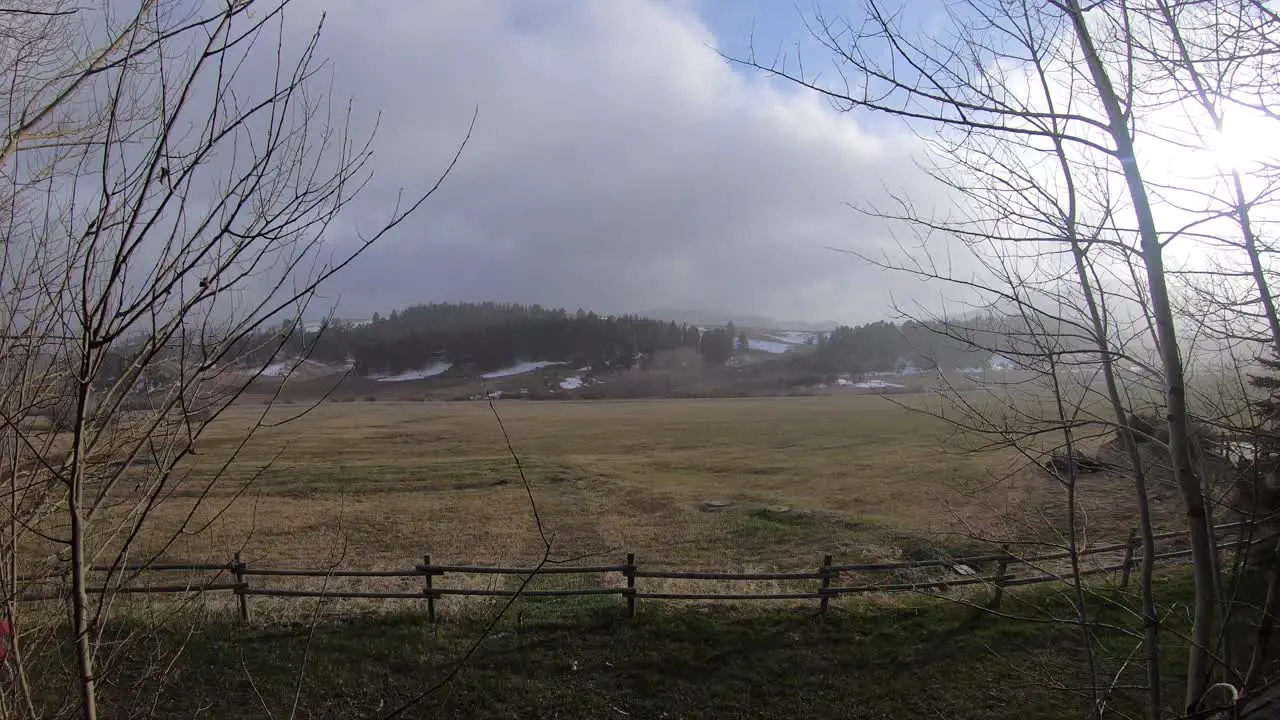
pixel 617 163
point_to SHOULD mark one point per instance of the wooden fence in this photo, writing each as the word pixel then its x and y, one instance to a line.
pixel 827 576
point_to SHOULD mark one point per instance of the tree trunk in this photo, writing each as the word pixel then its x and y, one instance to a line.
pixel 1150 618
pixel 79 563
pixel 80 618
pixel 1198 665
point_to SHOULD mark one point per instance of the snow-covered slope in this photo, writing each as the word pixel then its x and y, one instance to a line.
pixel 780 341
pixel 769 346
pixel 519 369
pixel 422 374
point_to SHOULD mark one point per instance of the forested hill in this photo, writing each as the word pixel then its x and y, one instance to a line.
pixel 483 337
pixel 488 336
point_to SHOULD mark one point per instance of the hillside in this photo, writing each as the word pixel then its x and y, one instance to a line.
pixel 484 338
pixel 468 350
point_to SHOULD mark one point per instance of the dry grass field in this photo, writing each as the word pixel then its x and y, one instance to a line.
pixel 377 485
pixel 380 484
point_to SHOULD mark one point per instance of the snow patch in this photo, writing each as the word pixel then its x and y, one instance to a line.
pixel 423 374
pixel 280 368
pixel 876 385
pixel 868 384
pixel 571 383
pixel 276 369
pixel 519 369
pixel 769 346
pixel 1238 450
pixel 315 326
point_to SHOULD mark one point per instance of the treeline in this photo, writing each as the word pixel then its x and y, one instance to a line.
pixel 973 342
pixel 480 337
pixel 490 336
pixel 475 337
pixel 888 347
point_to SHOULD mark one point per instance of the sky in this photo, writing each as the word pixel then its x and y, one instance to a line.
pixel 618 163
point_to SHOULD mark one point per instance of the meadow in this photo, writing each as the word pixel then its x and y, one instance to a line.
pixel 381 484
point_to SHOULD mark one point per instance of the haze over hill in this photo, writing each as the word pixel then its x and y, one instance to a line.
pixel 711 318
pixel 681 316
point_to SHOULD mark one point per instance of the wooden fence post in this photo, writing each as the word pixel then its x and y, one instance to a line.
pixel 998 594
pixel 237 568
pixel 1128 559
pixel 825 574
pixel 630 573
pixel 427 587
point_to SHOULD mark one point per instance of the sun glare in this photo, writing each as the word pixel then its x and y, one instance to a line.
pixel 1246 141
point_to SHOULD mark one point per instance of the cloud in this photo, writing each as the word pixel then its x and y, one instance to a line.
pixel 618 163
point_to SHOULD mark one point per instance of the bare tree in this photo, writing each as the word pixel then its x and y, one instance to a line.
pixel 1042 121
pixel 169 176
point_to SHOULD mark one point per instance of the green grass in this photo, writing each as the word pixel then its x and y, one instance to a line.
pixel 769 536
pixel 583 659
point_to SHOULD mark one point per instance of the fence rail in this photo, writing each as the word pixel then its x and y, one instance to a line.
pixel 968 568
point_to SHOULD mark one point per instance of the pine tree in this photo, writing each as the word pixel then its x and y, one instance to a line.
pixel 1267 435
pixel 743 344
pixel 1256 496
pixel 716 346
